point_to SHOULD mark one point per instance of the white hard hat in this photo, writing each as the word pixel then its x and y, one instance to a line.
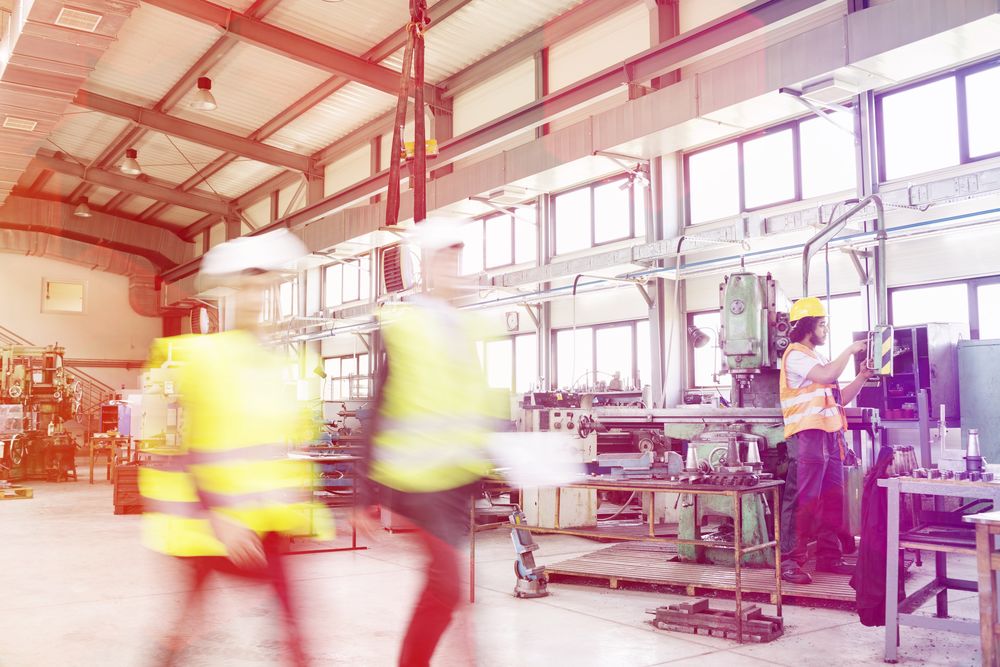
pixel 437 233
pixel 269 252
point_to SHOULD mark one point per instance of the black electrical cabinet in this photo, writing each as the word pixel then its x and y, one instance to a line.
pixel 926 358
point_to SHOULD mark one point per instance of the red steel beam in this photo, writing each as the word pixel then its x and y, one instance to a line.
pixel 185 129
pixel 121 182
pixel 290 44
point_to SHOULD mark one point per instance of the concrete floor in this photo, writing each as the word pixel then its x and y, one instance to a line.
pixel 77 589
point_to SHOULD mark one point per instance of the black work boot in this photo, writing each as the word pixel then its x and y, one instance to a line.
pixel 795 575
pixel 835 566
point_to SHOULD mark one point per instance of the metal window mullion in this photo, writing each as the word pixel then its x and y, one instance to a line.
pixel 962 110
pixel 973 296
pixel 593 217
pixel 741 172
pixel 797 160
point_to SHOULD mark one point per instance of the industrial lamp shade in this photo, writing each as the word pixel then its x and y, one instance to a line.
pixel 203 99
pixel 130 165
pixel 697 337
pixel 83 209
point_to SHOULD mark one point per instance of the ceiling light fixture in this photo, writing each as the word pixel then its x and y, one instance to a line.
pixel 130 165
pixel 83 209
pixel 203 99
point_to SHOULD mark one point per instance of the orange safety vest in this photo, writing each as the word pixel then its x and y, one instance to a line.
pixel 811 407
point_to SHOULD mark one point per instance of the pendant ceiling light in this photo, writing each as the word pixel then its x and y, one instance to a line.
pixel 203 99
pixel 130 165
pixel 83 209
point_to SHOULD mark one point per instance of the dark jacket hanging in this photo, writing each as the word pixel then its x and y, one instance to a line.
pixel 869 576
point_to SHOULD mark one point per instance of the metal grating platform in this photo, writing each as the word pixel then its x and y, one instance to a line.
pixel 649 563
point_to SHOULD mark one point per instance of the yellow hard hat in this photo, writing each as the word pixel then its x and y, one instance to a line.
pixel 808 306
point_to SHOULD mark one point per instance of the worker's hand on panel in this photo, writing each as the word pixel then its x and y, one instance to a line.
pixel 243 546
pixel 859 346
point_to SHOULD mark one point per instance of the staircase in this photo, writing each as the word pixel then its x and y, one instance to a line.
pixel 95 392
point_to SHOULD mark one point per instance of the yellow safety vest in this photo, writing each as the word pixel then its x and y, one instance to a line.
pixel 239 417
pixel 436 411
pixel 811 407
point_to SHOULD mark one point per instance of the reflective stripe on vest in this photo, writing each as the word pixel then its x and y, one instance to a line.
pixel 811 407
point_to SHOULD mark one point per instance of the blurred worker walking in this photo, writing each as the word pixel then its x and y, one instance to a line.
pixel 428 440
pixel 226 497
pixel 815 426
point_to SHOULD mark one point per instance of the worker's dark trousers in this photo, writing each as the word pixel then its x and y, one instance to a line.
pixel 813 505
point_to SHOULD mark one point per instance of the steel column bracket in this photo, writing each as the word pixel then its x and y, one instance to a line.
pixel 362 338
pixel 645 294
pixel 534 313
pixel 856 256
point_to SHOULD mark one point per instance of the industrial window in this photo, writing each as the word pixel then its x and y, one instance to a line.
pixel 933 303
pixel 988 296
pixel 919 128
pixel 510 363
pixel 590 356
pixel 847 314
pixel 609 210
pixel 347 281
pixel 706 361
pixel 347 378
pixel 802 159
pixel 941 122
pixel 500 239
pixel 62 297
pixel 288 299
pixel 313 295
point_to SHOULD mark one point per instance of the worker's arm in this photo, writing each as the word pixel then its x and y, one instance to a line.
pixel 828 373
pixel 849 392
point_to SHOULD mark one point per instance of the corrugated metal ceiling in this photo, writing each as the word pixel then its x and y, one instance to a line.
pixel 252 86
pixel 85 134
pixel 332 119
pixel 167 158
pixel 239 176
pixel 136 205
pixel 153 51
pixel 477 30
pixel 180 216
pixel 100 196
pixel 354 27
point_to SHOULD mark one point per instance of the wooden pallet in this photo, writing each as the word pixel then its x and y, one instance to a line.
pixel 650 563
pixel 16 493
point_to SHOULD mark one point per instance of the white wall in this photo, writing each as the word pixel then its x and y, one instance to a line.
pixel 109 329
pixel 259 213
pixel 288 202
pixel 694 13
pixel 348 170
pixel 607 43
pixel 495 97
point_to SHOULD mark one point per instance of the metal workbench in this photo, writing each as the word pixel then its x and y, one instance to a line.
pixel 902 613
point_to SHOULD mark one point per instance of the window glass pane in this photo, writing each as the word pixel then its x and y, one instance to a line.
pixel 643 358
pixel 769 169
pixel 639 209
pixel 287 294
pixel 614 355
pixel 611 211
pixel 331 386
pixel 499 363
pixel 938 303
pixel 572 212
pixel 982 99
pixel 352 286
pixel 472 251
pixel 921 129
pixel 334 280
pixel 366 278
pixel 312 290
pixel 846 316
pixel 828 161
pixel 708 358
pixel 574 359
pixel 498 241
pixel 348 367
pixel 526 362
pixel 989 314
pixel 525 234
pixel 714 184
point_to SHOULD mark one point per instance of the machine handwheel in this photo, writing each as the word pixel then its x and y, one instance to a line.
pixel 18 449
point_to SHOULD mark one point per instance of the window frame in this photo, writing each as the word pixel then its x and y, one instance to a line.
pixel 972 295
pixel 328 380
pixel 511 212
pixel 594 328
pixel 592 186
pixel 959 74
pixel 355 261
pixel 795 126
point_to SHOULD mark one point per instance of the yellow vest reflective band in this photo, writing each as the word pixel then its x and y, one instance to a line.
pixel 435 414
pixel 811 407
pixel 237 417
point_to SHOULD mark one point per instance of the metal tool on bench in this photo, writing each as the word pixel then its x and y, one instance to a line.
pixel 531 581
